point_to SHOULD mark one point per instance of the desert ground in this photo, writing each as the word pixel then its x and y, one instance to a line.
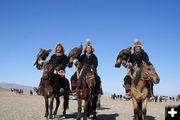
pixel 31 107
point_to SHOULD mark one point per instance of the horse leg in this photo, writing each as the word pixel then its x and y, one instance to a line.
pixel 79 108
pixel 86 109
pixel 135 105
pixel 46 106
pixel 139 110
pixel 57 106
pixel 89 110
pixel 95 98
pixel 144 111
pixel 65 103
pixel 51 106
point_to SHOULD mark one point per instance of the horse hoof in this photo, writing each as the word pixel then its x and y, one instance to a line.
pixel 84 118
pixel 78 118
pixel 94 118
pixel 64 113
pixel 64 117
pixel 55 113
pixel 51 116
pixel 46 115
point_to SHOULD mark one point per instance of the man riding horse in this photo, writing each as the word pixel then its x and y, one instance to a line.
pixel 59 59
pixel 87 59
pixel 135 58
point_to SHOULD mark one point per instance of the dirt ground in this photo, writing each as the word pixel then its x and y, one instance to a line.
pixel 26 107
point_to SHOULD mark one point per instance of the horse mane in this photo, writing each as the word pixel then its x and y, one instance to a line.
pixel 138 75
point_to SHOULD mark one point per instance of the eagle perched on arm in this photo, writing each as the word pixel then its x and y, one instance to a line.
pixel 42 55
pixel 74 54
pixel 123 55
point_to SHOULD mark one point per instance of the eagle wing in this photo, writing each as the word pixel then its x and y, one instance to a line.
pixel 76 51
pixel 43 54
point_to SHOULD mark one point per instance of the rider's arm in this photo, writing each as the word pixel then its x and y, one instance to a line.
pixel 64 62
pixel 95 61
pixel 52 58
pixel 145 57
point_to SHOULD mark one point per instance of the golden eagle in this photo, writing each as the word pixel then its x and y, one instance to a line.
pixel 123 55
pixel 74 54
pixel 42 55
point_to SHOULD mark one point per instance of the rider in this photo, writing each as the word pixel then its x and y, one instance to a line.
pixel 59 59
pixel 86 59
pixel 137 58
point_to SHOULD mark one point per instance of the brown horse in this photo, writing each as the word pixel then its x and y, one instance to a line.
pixel 85 91
pixel 49 89
pixel 140 89
pixel 65 97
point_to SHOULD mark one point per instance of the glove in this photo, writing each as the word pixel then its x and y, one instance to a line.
pixel 129 65
pixel 40 62
pixel 75 61
pixel 55 71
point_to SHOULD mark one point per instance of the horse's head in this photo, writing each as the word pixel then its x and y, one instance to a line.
pixel 48 70
pixel 123 56
pixel 149 73
pixel 90 76
pixel 74 54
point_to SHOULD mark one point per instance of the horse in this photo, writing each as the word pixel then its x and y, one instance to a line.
pixel 49 89
pixel 65 97
pixel 140 88
pixel 86 91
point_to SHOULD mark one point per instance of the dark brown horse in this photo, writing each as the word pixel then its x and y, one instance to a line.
pixel 49 89
pixel 140 89
pixel 65 97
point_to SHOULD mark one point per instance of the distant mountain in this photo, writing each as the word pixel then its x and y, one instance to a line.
pixel 16 86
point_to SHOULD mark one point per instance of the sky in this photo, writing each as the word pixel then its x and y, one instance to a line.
pixel 112 25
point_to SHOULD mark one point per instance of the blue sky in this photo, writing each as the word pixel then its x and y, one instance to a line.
pixel 27 25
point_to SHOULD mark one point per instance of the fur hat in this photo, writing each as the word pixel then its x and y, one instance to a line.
pixel 137 43
pixel 59 44
pixel 88 43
